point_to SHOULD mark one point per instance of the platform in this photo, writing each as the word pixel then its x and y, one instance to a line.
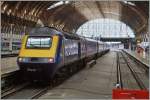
pixel 96 82
pixel 8 65
pixel 139 57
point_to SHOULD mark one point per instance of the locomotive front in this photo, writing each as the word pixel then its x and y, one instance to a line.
pixel 37 57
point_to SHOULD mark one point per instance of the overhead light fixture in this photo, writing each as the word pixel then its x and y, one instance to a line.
pixel 67 2
pixel 9 12
pixel 5 7
pixel 129 3
pixel 58 4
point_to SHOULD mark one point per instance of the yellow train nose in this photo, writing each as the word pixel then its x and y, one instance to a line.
pixel 40 52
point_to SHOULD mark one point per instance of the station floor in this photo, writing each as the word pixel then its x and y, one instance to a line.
pixel 144 58
pixel 96 82
pixel 8 65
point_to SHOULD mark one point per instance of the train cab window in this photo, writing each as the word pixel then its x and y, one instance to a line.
pixel 38 42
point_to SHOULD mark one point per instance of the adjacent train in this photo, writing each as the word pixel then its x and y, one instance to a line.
pixel 47 52
pixel 9 48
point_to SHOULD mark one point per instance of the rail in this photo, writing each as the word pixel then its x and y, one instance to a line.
pixel 119 78
pixel 138 60
pixel 12 90
pixel 138 80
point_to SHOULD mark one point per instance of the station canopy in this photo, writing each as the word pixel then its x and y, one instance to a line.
pixel 70 15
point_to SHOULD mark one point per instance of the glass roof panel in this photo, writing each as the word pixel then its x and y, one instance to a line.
pixel 107 28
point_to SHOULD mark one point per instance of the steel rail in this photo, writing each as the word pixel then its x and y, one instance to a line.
pixel 22 88
pixel 138 80
pixel 119 77
pixel 14 90
pixel 41 92
pixel 137 61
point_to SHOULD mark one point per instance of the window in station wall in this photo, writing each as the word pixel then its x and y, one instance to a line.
pixel 106 28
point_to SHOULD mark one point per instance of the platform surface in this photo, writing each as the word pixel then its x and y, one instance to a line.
pixel 96 82
pixel 8 65
pixel 142 58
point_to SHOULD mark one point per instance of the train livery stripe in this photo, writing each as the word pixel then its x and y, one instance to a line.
pixel 58 57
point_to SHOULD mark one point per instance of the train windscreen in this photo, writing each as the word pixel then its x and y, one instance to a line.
pixel 38 42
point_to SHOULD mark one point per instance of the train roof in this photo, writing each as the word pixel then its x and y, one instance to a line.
pixel 71 36
pixel 49 31
pixel 100 42
pixel 92 40
pixel 44 31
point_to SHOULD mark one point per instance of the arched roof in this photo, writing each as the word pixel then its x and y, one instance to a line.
pixel 71 16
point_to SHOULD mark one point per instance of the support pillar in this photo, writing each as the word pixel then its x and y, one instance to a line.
pixel 11 37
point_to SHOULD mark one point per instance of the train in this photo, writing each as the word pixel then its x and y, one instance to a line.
pixel 47 53
pixel 10 47
pixel 5 47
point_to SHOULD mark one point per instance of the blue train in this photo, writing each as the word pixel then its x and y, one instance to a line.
pixel 47 53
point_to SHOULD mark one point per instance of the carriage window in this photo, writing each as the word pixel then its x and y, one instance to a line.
pixel 38 42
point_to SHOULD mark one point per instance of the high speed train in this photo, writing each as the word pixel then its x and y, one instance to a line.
pixel 47 52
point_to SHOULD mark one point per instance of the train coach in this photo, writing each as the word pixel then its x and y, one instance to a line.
pixel 47 53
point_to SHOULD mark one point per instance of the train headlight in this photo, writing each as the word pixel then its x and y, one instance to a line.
pixel 50 60
pixel 20 59
pixel 46 60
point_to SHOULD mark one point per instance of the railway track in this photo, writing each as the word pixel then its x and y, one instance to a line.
pixel 26 91
pixel 138 63
pixel 11 90
pixel 33 90
pixel 119 76
pixel 130 74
